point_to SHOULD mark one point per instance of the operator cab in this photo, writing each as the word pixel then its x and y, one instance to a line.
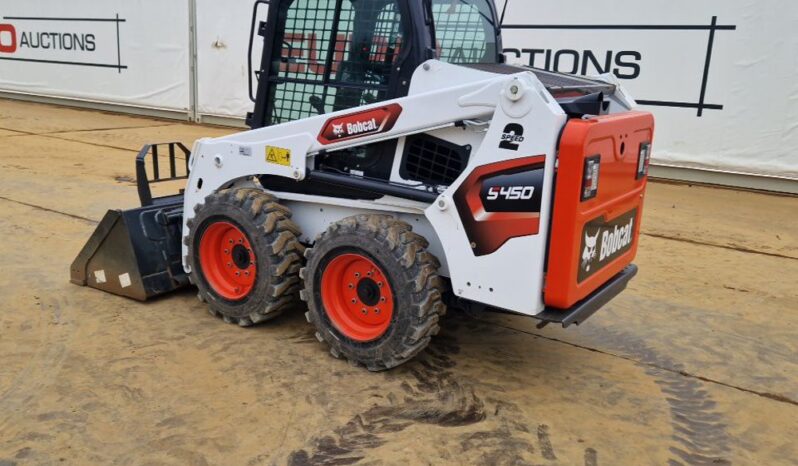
pixel 322 56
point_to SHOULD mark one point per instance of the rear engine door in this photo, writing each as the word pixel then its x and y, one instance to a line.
pixel 598 203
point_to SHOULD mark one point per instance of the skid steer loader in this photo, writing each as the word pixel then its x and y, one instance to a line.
pixel 396 165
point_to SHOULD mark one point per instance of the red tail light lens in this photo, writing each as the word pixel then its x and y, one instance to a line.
pixel 590 178
pixel 643 160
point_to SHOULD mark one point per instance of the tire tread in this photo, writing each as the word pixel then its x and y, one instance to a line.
pixel 285 251
pixel 419 267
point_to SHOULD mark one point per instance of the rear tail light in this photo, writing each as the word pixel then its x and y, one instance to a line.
pixel 590 178
pixel 643 159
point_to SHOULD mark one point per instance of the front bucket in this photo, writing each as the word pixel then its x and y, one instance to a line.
pixel 134 253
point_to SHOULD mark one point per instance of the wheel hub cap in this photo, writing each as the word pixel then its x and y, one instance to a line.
pixel 368 292
pixel 227 260
pixel 357 297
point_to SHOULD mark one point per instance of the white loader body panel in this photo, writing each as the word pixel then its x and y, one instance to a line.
pixel 512 276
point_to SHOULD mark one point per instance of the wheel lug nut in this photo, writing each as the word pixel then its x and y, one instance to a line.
pixel 354 301
pixel 377 310
pixel 382 299
pixel 229 264
pixel 379 284
pixel 238 274
pixel 364 311
pixel 246 273
pixel 370 273
pixel 227 251
pixel 357 274
pixel 351 285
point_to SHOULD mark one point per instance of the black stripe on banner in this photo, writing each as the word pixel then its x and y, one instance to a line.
pixel 58 62
pixel 37 18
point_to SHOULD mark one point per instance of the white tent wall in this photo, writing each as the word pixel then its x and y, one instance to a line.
pixel 746 118
pixel 732 112
pixel 122 52
pixel 222 44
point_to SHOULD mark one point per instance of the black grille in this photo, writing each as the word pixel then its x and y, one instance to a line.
pixel 433 161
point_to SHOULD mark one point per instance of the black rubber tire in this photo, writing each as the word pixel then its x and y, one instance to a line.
pixel 273 236
pixel 413 275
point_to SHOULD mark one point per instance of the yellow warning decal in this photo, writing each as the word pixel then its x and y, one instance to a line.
pixel 278 156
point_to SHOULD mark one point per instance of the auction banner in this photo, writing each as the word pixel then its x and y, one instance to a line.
pixel 123 52
pixel 719 75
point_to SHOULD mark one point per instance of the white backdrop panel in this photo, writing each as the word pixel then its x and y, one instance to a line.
pixel 133 52
pixel 749 112
pixel 222 40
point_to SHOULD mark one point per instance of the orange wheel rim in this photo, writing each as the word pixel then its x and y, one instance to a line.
pixel 227 261
pixel 357 297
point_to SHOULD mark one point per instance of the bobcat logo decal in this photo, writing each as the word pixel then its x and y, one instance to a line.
pixel 338 130
pixel 589 253
pixel 603 242
pixel 359 124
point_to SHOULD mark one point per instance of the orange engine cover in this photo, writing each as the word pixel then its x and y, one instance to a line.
pixel 593 240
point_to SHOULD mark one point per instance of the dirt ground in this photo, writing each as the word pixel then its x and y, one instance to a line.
pixel 696 363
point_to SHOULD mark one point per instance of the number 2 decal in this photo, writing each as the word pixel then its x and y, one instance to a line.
pixel 512 137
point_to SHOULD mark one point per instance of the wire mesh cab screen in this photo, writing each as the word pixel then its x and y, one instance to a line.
pixel 465 31
pixel 333 60
pixel 433 161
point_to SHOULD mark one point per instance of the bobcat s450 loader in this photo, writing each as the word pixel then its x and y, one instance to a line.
pixel 395 166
